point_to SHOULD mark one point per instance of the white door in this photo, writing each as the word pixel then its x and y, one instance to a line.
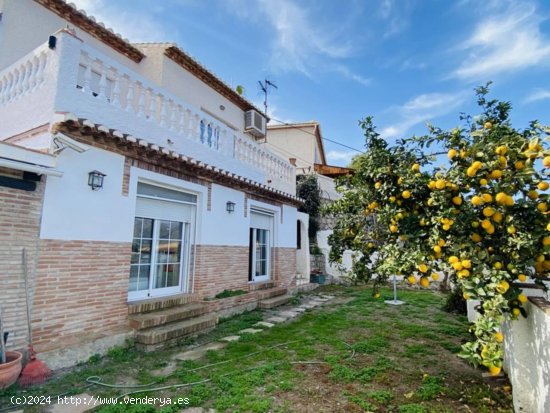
pixel 261 234
pixel 161 244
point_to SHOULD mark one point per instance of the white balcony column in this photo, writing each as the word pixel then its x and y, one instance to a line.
pixel 42 62
pixel 141 100
pixel 163 110
pixel 152 111
pixel 27 69
pixel 173 122
pixel 115 93
pixel 35 63
pixel 102 81
pixel 86 85
pixel 130 97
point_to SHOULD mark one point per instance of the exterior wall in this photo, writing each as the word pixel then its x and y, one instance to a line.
pixel 219 268
pixel 19 228
pixel 16 39
pixel 284 267
pixel 526 352
pixel 526 358
pixel 80 292
pixel 294 143
pixel 331 269
pixel 303 265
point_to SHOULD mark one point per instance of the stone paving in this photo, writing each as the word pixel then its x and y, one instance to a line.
pixel 273 316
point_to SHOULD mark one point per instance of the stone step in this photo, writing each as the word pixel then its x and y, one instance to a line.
pixel 153 337
pixel 274 301
pixel 155 304
pixel 271 292
pixel 169 315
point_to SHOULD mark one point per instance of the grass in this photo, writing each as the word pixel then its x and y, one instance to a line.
pixel 355 356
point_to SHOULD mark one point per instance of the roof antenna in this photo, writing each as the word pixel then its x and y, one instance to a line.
pixel 265 86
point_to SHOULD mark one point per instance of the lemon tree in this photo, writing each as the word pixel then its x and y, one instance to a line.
pixel 481 219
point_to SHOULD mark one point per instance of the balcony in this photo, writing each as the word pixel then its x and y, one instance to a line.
pixel 79 79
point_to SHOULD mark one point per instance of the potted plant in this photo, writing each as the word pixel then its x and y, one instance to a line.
pixel 10 361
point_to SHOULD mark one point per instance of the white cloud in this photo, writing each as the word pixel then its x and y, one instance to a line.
pixel 395 14
pixel 340 157
pixel 301 42
pixel 422 108
pixel 537 94
pixel 504 41
pixel 130 23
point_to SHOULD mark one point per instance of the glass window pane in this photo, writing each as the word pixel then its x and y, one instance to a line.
pixel 144 271
pixel 138 222
pixel 164 232
pixel 145 257
pixel 175 230
pixel 172 275
pixel 147 228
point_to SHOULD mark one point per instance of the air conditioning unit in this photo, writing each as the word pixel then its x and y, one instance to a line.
pixel 254 123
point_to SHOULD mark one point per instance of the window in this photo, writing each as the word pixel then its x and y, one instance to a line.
pixel 260 246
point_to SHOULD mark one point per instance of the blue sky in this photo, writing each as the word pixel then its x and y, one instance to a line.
pixel 405 62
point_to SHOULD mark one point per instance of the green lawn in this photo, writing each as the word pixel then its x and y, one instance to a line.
pixel 354 354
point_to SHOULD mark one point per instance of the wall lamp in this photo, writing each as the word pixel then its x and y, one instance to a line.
pixel 230 207
pixel 95 179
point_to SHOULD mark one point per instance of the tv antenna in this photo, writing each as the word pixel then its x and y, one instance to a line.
pixel 265 86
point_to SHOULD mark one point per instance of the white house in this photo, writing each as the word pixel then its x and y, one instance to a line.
pixel 131 175
pixel 302 144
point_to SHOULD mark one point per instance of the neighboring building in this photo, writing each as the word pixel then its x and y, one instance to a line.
pixel 302 144
pixel 190 204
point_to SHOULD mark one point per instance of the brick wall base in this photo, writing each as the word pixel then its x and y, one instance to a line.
pixel 222 267
pixel 81 292
pixel 20 213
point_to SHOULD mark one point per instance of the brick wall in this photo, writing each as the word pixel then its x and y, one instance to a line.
pixel 81 292
pixel 284 267
pixel 19 228
pixel 219 268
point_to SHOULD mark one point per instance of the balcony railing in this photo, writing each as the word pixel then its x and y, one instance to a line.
pixel 84 81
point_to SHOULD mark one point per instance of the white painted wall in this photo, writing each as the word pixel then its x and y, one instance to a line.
pixel 328 188
pixel 331 269
pixel 527 360
pixel 72 211
pixel 526 355
pixel 26 25
pixel 294 143
pixel 303 265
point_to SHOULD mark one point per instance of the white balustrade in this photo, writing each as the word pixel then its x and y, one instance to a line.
pixel 118 88
pixel 24 76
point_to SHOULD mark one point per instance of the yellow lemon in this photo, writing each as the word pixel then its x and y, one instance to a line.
pixel 497 265
pixel 453 259
pixel 494 370
pixel 488 211
pixel 496 174
pixel 542 207
pixel 457 200
pixel 499 337
pixel 532 194
pixel 519 165
pixel 501 150
pixel 477 165
pixel 463 273
pixel 483 181
pixel 546 242
pixel 437 249
pixel 511 230
pixel 440 184
pixel 475 237
pixel 393 228
pixel 452 153
pixel 516 312
pixel 543 186
pixel 488 125
pixel 485 224
pixel 441 242
pixel 415 167
pixel 466 264
pixel 546 161
pixel 522 277
pixel 435 276
pixel 423 268
pixel 406 194
pixel 476 200
pixel 509 201
pixel 411 279
pixel 424 282
pixel 497 217
pixel 522 298
pixel 457 266
pixel 487 198
pixel 377 185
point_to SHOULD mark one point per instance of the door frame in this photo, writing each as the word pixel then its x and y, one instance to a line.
pixel 270 242
pixel 188 241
